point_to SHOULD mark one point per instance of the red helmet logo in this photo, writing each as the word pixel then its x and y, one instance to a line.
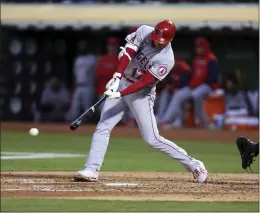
pixel 159 32
pixel 164 32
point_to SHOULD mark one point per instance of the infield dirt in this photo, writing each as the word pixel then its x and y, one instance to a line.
pixel 150 186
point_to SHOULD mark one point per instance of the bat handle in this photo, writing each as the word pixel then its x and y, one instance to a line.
pixel 85 115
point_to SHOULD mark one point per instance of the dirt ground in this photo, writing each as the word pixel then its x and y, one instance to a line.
pixel 131 186
pixel 188 134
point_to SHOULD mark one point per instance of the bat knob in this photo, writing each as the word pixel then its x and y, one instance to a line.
pixel 75 125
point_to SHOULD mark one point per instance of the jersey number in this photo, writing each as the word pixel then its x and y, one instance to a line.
pixel 137 73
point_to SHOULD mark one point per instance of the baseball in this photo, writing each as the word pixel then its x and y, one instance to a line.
pixel 34 132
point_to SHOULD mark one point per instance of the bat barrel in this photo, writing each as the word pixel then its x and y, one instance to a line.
pixel 88 113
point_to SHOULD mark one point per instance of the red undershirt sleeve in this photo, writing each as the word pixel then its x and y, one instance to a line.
pixel 124 61
pixel 146 79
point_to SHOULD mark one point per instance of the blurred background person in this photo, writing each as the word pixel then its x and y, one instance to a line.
pixel 84 70
pixel 235 98
pixel 106 66
pixel 34 53
pixel 54 103
pixel 171 109
pixel 163 93
pixel 204 79
pixel 237 106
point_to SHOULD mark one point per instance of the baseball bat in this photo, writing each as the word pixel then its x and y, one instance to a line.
pixel 87 114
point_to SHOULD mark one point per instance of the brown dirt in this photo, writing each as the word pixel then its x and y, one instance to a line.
pixel 150 186
pixel 188 134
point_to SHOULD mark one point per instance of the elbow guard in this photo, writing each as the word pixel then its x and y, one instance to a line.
pixel 124 52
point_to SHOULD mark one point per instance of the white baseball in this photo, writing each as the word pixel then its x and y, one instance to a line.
pixel 34 132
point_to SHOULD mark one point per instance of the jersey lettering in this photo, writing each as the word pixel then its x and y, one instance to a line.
pixel 139 56
pixel 143 60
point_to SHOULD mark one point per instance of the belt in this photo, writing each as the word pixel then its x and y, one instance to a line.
pixel 129 80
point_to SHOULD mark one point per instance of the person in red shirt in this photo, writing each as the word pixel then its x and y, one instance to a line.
pixel 204 79
pixel 106 66
pixel 176 88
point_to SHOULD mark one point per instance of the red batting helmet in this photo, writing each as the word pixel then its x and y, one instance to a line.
pixel 164 32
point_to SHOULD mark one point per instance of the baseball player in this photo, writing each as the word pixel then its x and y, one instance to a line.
pixel 145 60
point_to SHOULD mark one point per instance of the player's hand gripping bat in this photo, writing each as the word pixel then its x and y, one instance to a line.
pixel 87 114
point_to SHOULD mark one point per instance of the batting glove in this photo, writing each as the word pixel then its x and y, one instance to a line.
pixel 113 84
pixel 112 94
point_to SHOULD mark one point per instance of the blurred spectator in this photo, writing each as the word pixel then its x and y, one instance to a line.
pixel 106 66
pixel 84 70
pixel 235 99
pixel 237 106
pixel 162 96
pixel 54 102
pixel 171 113
pixel 204 79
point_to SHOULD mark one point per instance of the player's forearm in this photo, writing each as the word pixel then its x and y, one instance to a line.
pixel 125 60
pixel 147 79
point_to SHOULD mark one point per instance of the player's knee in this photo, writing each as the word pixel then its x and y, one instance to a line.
pixel 103 130
pixel 152 141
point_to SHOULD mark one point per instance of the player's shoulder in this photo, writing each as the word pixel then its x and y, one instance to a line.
pixel 167 53
pixel 165 57
pixel 145 30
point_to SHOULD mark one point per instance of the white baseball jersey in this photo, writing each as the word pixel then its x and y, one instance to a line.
pixel 157 61
pixel 147 59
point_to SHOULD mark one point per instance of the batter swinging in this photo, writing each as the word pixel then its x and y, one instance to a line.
pixel 145 60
